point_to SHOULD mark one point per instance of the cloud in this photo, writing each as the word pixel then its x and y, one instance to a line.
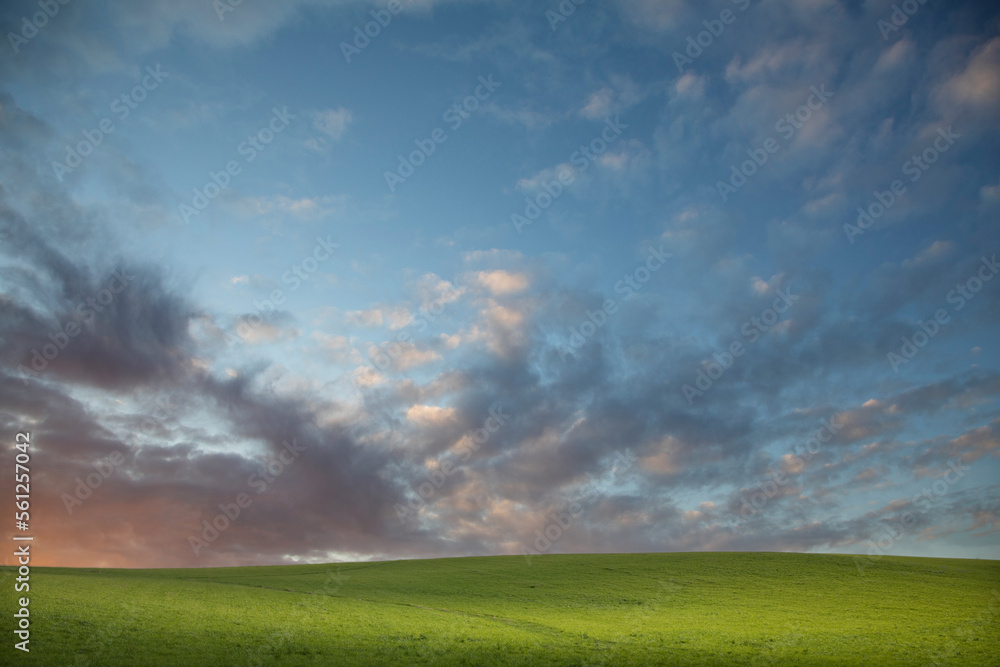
pixel 990 196
pixel 564 172
pixel 430 415
pixel 657 15
pixel 110 35
pixel 690 84
pixel 967 448
pixel 599 105
pixel 366 318
pixel 196 412
pixel 250 330
pixel 501 283
pixel 403 356
pixel 396 317
pixel 935 252
pixel 762 287
pixel 977 86
pixel 333 122
pixel 338 349
pixel 302 208
pixel 613 99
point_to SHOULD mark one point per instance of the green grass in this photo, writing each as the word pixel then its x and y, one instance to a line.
pixel 639 609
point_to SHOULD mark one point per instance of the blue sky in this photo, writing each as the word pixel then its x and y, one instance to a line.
pixel 631 231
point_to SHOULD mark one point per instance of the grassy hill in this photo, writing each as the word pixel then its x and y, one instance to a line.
pixel 684 609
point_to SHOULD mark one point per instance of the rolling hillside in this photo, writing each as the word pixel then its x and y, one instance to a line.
pixel 684 609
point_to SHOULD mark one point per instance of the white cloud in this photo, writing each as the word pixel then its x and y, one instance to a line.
pixel 264 332
pixel 303 208
pixel 564 172
pixel 778 60
pixel 333 122
pixel 990 195
pixel 901 52
pixel 933 252
pixel 395 317
pixel 615 98
pixel 337 348
pixel 366 318
pixel 762 287
pixel 403 355
pixel 430 415
pixel 690 84
pixel 502 282
pixel 529 118
pixel 435 291
pixel 977 86
pixel 599 105
pixel 616 161
pixel 366 376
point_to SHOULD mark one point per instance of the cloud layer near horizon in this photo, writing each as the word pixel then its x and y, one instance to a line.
pixel 408 374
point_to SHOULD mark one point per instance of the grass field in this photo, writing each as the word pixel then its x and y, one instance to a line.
pixel 684 609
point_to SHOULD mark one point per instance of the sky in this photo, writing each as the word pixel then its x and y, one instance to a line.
pixel 335 280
